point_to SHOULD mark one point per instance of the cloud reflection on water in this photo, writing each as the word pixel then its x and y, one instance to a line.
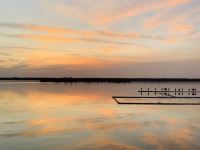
pixel 86 114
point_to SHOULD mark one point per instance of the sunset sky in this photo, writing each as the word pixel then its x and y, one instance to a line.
pixel 100 38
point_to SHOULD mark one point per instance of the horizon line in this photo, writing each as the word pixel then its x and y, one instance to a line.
pixel 98 79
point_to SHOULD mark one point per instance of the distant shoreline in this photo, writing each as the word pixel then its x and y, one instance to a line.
pixel 99 80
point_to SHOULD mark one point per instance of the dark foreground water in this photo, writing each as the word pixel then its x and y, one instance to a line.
pixel 48 116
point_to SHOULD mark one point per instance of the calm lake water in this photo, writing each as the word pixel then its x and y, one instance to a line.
pixel 49 116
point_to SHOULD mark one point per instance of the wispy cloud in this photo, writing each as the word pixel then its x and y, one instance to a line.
pixel 142 8
pixel 173 22
pixel 104 11
pixel 77 32
pixel 23 49
pixel 4 53
pixel 8 62
pixel 44 38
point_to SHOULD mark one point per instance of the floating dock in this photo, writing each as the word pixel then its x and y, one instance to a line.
pixel 165 96
pixel 157 100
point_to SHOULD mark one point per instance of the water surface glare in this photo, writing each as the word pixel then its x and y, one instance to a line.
pixel 51 116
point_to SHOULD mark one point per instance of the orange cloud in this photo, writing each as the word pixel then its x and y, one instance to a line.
pixel 171 40
pixel 43 58
pixel 38 60
pixel 44 38
pixel 76 32
pixel 46 59
pixel 182 28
